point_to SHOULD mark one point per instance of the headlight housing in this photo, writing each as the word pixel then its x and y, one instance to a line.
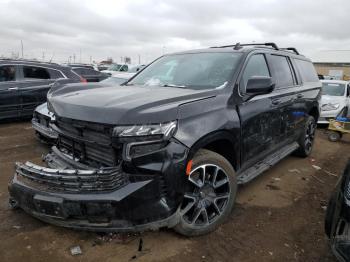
pixel 140 140
pixel 330 106
pixel 163 131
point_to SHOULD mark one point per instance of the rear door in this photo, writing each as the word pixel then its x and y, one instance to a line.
pixel 9 93
pixel 34 85
pixel 285 93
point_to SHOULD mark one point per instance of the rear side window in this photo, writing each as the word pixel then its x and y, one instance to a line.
pixel 32 72
pixel 7 73
pixel 55 74
pixel 283 72
pixel 256 67
pixel 306 70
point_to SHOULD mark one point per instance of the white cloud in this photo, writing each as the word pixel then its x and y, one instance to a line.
pixel 115 28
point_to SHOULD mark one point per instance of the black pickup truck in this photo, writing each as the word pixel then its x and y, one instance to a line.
pixel 169 147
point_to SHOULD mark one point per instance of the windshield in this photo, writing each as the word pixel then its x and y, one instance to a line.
pixel 114 80
pixel 194 71
pixel 333 89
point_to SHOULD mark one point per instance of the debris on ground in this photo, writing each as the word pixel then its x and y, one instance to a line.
pixel 76 250
pixel 17 227
pixel 316 167
pixel 120 238
pixel 276 179
pixel 294 171
pixel 140 250
pixel 330 173
pixel 318 179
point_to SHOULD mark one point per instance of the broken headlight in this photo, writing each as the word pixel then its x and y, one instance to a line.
pixel 140 140
pixel 163 131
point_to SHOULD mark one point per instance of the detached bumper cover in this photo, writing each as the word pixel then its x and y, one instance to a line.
pixel 44 130
pixel 73 195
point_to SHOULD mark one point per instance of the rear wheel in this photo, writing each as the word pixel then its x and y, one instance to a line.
pixel 334 136
pixel 306 141
pixel 210 194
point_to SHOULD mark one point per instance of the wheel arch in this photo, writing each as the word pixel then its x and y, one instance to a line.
pixel 314 112
pixel 220 142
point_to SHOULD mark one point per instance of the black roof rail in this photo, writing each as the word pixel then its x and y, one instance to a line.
pixel 238 46
pixel 27 60
pixel 291 49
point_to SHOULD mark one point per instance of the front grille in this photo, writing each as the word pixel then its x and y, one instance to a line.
pixel 90 143
pixel 73 181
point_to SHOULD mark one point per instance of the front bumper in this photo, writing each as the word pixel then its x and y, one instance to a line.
pixel 73 195
pixel 325 116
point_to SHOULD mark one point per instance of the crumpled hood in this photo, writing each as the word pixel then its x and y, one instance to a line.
pixel 122 104
pixel 333 99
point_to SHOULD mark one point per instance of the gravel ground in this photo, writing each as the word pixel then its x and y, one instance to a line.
pixel 278 217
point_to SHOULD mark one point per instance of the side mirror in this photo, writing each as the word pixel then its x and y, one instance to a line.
pixel 259 85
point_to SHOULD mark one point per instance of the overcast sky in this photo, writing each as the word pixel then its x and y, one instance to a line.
pixel 113 28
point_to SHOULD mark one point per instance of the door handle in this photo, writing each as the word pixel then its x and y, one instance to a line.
pixel 300 95
pixel 12 88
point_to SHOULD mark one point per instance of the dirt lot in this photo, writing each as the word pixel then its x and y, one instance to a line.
pixel 278 217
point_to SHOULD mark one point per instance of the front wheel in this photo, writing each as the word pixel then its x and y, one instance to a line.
pixel 306 141
pixel 210 194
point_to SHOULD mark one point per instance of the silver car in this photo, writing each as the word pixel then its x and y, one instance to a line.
pixel 335 97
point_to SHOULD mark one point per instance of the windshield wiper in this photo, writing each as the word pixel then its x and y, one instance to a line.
pixel 171 85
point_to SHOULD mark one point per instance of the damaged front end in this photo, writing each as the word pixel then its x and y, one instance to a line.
pixel 95 180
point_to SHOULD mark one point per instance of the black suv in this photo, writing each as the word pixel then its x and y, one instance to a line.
pixel 170 146
pixel 24 85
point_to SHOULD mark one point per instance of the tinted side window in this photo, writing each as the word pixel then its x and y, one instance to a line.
pixel 7 73
pixel 31 72
pixel 256 66
pixel 306 70
pixel 55 74
pixel 284 77
pixel 79 71
pixel 92 72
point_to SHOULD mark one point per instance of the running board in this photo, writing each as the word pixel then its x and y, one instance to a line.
pixel 254 171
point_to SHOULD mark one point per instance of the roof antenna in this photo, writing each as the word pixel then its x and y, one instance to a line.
pixel 237 46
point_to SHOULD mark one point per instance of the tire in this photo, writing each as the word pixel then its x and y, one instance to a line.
pixel 306 140
pixel 329 214
pixel 210 194
pixel 334 136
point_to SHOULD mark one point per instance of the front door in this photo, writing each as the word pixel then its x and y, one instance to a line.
pixel 33 87
pixel 260 120
pixel 9 94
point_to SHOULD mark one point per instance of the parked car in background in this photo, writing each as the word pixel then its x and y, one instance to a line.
pixel 337 223
pixel 335 97
pixel 169 147
pixel 24 85
pixel 123 68
pixel 91 75
pixel 117 78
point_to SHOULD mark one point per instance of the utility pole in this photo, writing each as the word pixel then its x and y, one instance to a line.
pixel 74 58
pixel 43 56
pixel 139 60
pixel 80 55
pixel 22 48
